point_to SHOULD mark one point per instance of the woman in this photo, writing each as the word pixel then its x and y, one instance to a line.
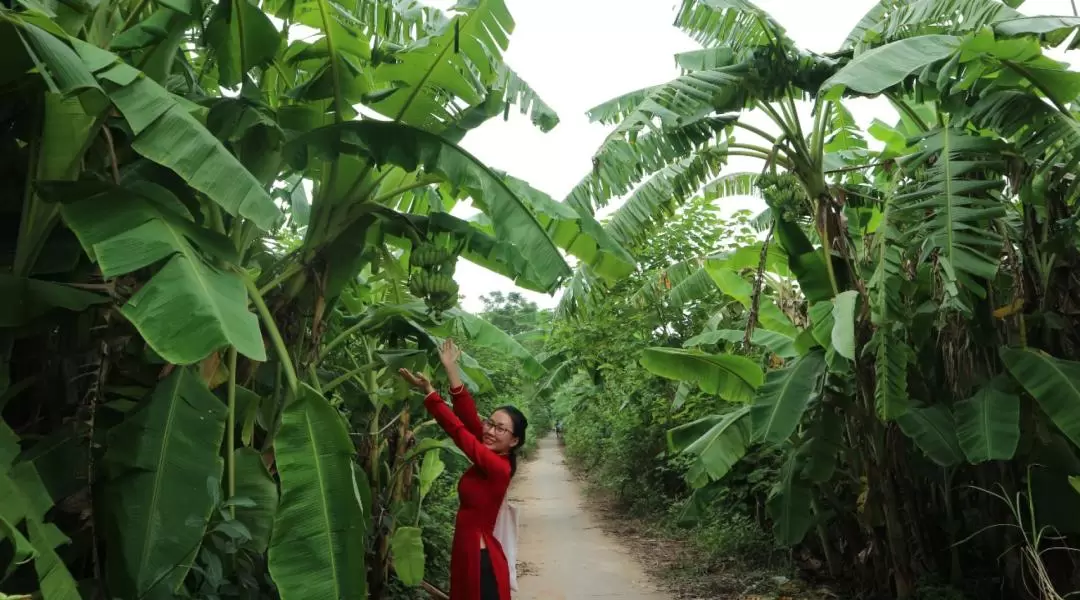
pixel 478 567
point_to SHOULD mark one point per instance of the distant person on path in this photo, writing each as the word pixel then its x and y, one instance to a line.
pixel 479 569
pixel 558 429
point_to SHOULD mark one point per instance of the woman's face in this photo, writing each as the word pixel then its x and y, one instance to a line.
pixel 499 433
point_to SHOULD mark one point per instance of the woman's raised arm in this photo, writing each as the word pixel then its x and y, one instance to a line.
pixel 464 405
pixel 492 464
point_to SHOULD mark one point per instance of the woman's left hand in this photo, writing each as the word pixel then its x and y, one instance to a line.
pixel 417 380
pixel 449 354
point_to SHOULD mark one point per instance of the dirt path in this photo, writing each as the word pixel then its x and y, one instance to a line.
pixel 562 553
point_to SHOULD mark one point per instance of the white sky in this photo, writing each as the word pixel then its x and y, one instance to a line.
pixel 579 53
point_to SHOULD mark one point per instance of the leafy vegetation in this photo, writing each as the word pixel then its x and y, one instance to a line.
pixel 208 281
pixel 209 211
pixel 888 350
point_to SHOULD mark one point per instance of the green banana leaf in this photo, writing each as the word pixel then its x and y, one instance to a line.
pixel 481 246
pixel 189 308
pixel 733 378
pixel 782 345
pixel 407 550
pixel 253 481
pixel 26 299
pixel 157 464
pixel 717 442
pixel 790 504
pixel 577 232
pixel 317 546
pixel 430 468
pixel 878 69
pixel 988 424
pixel 242 38
pixel 933 429
pixel 787 392
pixel 455 66
pixel 892 357
pixel 487 335
pixel 167 134
pixel 1054 383
pixel 26 501
pixel 411 149
pixel 843 330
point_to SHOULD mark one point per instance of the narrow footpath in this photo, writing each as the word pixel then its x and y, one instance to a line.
pixel 562 553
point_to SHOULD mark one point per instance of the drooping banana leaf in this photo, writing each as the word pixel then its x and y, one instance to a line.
pixel 481 246
pixel 559 376
pixel 407 549
pixel 26 299
pixel 430 468
pixel 933 429
pixel 733 285
pixel 782 345
pixel 26 501
pixel 733 378
pixel 65 130
pixel 317 545
pixel 883 67
pixel 956 204
pixel 717 442
pixel 189 308
pixel 487 335
pixel 843 330
pixel 153 43
pixel 1054 383
pixel 656 200
pixel 158 463
pixel 242 38
pixel 784 397
pixel 57 63
pixel 167 134
pixel 914 18
pixel 790 504
pixel 620 165
pixel 577 232
pixel 254 482
pixel 413 149
pixel 988 424
pixel 892 357
pixel 736 24
pixel 806 261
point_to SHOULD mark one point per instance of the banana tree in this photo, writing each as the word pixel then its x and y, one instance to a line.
pixel 161 239
pixel 908 260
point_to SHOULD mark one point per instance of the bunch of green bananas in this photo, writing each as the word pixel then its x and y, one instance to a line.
pixel 784 194
pixel 433 276
pixel 427 256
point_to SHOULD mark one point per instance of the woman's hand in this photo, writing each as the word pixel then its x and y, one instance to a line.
pixel 449 354
pixel 417 380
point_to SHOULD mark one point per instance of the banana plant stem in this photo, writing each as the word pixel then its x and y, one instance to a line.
pixel 337 341
pixel 230 431
pixel 274 333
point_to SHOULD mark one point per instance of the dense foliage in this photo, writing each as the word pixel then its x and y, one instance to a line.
pixel 208 211
pixel 207 216
pixel 899 336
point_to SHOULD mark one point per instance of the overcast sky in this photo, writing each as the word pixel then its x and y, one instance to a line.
pixel 578 53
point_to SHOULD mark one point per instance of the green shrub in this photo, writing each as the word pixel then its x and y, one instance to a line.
pixel 728 535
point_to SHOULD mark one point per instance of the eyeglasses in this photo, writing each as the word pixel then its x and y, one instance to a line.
pixel 498 427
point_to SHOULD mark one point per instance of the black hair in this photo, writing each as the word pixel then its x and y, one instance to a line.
pixel 521 424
